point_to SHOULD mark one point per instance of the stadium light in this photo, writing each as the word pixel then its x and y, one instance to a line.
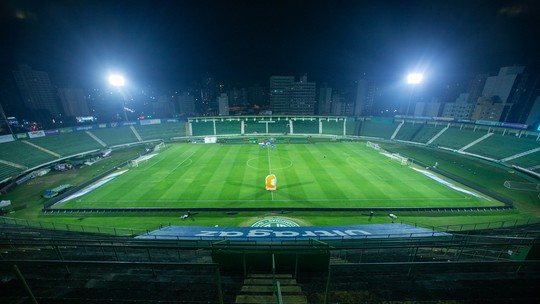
pixel 413 79
pixel 117 80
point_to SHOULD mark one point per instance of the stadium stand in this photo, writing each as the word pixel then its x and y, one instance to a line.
pixel 409 130
pixel 228 126
pixel 67 267
pixel 428 131
pixel 351 126
pixel 457 137
pixel 381 128
pixel 200 127
pixel 279 126
pixel 67 144
pixel 115 136
pixel 330 126
pixel 164 131
pixel 498 146
pixel 7 171
pixel 252 125
pixel 23 154
pixel 307 126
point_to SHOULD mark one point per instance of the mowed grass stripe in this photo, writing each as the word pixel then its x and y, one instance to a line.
pixel 235 170
pixel 289 180
pixel 229 176
pixel 325 186
pixel 397 179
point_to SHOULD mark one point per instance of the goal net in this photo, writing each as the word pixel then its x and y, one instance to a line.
pixel 372 145
pixel 159 146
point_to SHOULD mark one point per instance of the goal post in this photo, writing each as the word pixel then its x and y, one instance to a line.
pixel 372 145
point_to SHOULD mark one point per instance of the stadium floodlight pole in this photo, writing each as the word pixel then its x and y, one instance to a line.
pixel 117 80
pixel 413 79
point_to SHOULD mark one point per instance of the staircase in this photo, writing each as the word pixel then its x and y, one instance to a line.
pixel 258 289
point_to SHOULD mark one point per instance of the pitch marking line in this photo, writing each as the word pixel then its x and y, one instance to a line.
pixel 180 164
pixel 285 200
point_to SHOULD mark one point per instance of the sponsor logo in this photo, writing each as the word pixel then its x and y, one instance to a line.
pixel 275 222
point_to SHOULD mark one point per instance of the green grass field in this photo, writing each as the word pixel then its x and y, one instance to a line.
pixel 323 175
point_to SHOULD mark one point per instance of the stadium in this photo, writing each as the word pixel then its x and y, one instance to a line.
pixel 271 209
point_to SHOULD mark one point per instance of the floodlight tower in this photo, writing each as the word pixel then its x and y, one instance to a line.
pixel 117 80
pixel 413 80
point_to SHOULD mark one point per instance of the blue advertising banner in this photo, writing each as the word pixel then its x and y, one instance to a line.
pixel 289 233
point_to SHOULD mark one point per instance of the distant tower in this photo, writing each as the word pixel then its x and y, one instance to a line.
pixel 290 97
pixel 280 93
pixel 365 94
pixel 73 102
pixel 303 97
pixel 324 100
pixel 36 90
pixel 223 104
pixel 506 88
pixel 186 104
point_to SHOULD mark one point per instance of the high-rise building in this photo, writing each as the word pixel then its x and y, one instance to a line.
pixel 365 94
pixel 280 93
pixel 223 104
pixel 36 90
pixel 534 114
pixel 290 97
pixel 506 88
pixel 461 109
pixel 73 102
pixel 186 104
pixel 209 93
pixel 257 95
pixel 525 95
pixel 303 97
pixel 488 109
pixel 324 100
pixel 475 87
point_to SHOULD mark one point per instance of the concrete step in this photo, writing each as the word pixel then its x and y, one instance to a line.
pixel 269 281
pixel 258 299
pixel 269 289
pixel 269 276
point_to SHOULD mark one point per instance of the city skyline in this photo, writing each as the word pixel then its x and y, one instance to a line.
pixel 177 46
pixel 170 43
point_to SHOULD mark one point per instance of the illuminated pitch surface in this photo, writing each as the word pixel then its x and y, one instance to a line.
pixel 308 175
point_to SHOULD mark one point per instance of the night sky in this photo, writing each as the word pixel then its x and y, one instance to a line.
pixel 174 43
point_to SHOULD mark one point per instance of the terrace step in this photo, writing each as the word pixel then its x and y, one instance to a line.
pixel 259 289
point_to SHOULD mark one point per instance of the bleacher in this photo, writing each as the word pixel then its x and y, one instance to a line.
pixel 381 128
pixel 498 146
pixel 20 153
pixel 66 144
pixel 202 127
pixel 457 137
pixel 253 126
pixel 163 131
pixel 408 130
pixel 428 131
pixel 332 127
pixel 69 267
pixel 279 126
pixel 115 136
pixel 228 126
pixel 7 171
pixel 306 126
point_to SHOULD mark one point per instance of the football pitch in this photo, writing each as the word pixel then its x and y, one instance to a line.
pixel 322 175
